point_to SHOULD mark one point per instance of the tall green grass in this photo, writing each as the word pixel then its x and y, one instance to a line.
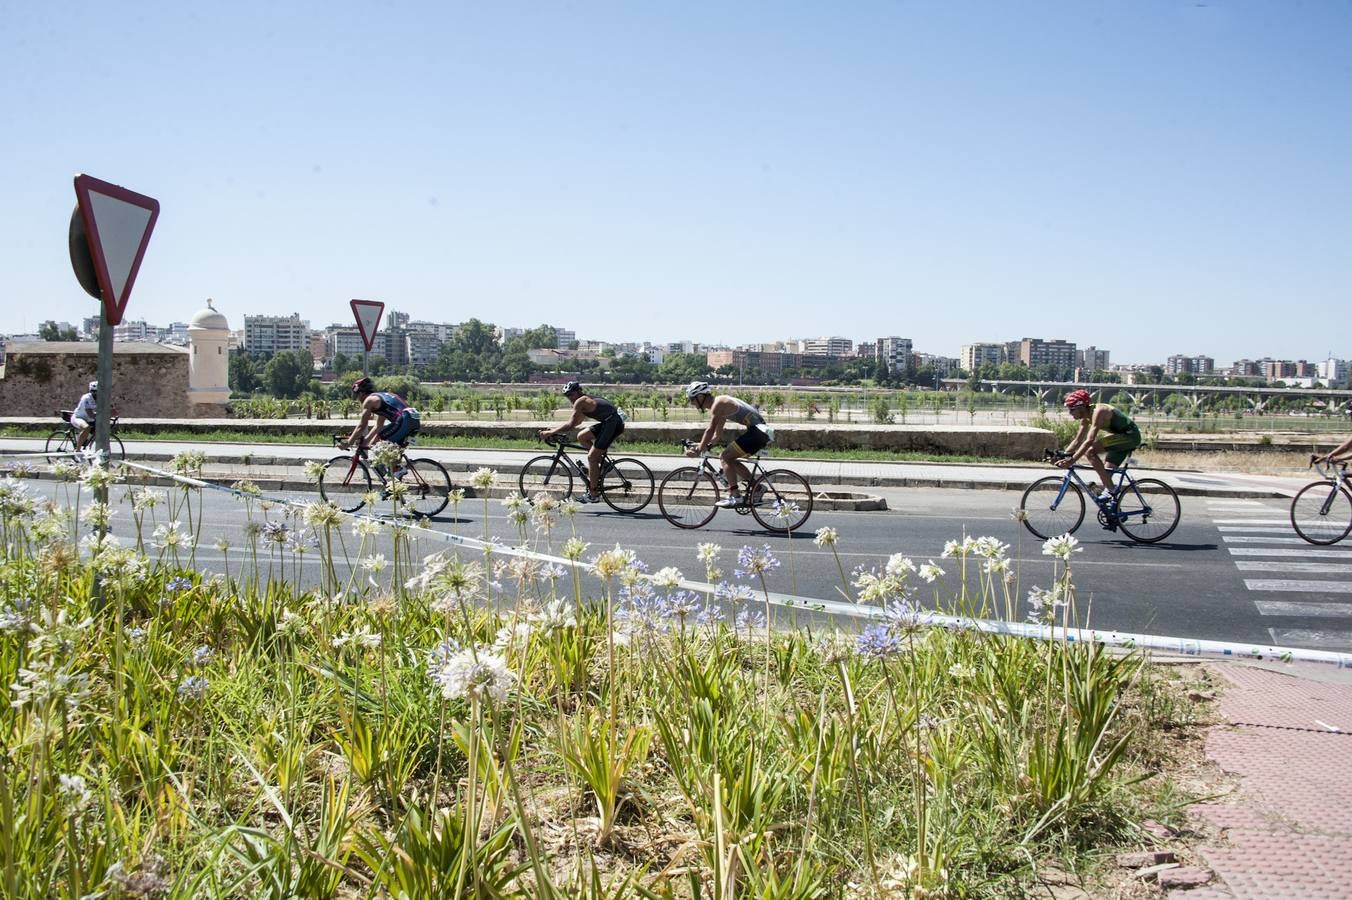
pixel 485 725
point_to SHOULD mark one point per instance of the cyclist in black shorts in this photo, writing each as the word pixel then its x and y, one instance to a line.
pixel 751 441
pixel 596 438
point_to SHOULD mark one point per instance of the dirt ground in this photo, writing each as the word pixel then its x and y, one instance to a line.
pixel 1251 462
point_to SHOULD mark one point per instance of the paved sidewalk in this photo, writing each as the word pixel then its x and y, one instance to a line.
pixel 822 473
pixel 1286 832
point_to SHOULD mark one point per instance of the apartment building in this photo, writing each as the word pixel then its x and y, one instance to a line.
pixel 1091 359
pixel 838 347
pixel 1179 364
pixel 273 334
pixel 974 356
pixel 1034 352
pixel 894 353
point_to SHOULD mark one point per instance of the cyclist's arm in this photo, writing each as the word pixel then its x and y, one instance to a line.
pixel 369 408
pixel 1078 439
pixel 714 433
pixel 1340 452
pixel 580 411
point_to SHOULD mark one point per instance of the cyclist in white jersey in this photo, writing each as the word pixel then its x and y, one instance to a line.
pixel 84 414
pixel 753 439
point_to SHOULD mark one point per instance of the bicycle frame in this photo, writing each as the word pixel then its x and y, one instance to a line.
pixel 1337 476
pixel 1109 502
pixel 579 465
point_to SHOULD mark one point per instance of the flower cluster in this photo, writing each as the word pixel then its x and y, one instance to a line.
pixel 753 562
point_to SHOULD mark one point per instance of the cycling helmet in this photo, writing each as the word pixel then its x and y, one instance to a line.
pixel 93 387
pixel 696 388
pixel 363 385
pixel 572 386
pixel 1078 398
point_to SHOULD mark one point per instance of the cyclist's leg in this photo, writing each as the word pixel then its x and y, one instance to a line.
pixel 83 429
pixel 1116 448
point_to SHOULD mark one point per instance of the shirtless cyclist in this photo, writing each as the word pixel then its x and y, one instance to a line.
pixel 722 409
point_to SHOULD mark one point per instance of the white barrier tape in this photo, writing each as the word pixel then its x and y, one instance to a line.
pixel 1220 650
pixel 36 454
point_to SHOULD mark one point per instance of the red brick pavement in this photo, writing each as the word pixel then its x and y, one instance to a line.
pixel 1288 830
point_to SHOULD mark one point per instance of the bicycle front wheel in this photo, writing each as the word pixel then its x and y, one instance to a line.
pixel 627 486
pixel 781 500
pixel 59 446
pixel 429 487
pixel 1321 513
pixel 345 482
pixel 545 475
pixel 1148 510
pixel 687 496
pixel 1046 516
pixel 117 451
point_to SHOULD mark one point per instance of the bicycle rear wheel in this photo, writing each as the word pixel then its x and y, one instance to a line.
pixel 781 500
pixel 345 482
pixel 627 486
pixel 1148 510
pixel 429 487
pixel 687 496
pixel 1043 515
pixel 1321 513
pixel 545 475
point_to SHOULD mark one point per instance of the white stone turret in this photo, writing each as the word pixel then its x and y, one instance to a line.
pixel 208 362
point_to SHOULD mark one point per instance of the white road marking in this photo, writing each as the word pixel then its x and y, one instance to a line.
pixel 1232 539
pixel 1339 553
pixel 1319 610
pixel 1306 587
pixel 1311 638
pixel 1250 521
pixel 1293 566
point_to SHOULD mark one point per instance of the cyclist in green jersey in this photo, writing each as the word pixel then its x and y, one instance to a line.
pixel 1105 433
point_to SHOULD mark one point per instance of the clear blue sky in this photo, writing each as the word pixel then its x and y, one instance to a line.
pixel 1147 177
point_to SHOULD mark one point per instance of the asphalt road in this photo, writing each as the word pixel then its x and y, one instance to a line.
pixel 1232 571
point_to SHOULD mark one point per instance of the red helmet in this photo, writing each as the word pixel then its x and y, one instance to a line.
pixel 363 385
pixel 1078 398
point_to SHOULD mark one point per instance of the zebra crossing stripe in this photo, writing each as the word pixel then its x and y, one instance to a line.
pixel 1313 638
pixel 1315 610
pixel 1258 529
pixel 1304 587
pixel 1340 553
pixel 1242 539
pixel 1218 522
pixel 1293 566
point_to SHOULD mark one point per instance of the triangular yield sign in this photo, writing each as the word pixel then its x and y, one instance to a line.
pixel 368 313
pixel 119 223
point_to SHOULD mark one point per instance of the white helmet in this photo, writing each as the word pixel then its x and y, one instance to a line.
pixel 93 386
pixel 696 388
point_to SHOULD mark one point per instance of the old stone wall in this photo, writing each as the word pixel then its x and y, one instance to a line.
pixel 144 384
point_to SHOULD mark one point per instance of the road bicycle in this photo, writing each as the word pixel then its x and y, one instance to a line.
pixel 780 500
pixel 1321 512
pixel 61 442
pixel 1146 509
pixel 346 481
pixel 626 483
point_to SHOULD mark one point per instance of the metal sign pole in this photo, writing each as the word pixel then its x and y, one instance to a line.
pixel 103 425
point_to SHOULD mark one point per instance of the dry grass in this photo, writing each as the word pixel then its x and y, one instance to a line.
pixel 1285 463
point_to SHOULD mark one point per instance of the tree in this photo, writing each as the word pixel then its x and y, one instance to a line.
pixel 678 367
pixel 288 373
pixel 244 374
pixel 50 331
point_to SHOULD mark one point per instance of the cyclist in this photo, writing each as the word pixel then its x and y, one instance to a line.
pixel 722 409
pixel 401 421
pixel 596 438
pixel 84 414
pixel 1120 435
pixel 1340 453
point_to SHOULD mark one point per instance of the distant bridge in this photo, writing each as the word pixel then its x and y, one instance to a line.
pixel 1256 398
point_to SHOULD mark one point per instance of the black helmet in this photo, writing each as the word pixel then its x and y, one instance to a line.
pixel 572 386
pixel 363 385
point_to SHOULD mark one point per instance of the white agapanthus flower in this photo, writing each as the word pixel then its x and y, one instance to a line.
pixel 929 572
pixel 483 478
pixel 1061 547
pixel 826 537
pixel 668 578
pixel 475 676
